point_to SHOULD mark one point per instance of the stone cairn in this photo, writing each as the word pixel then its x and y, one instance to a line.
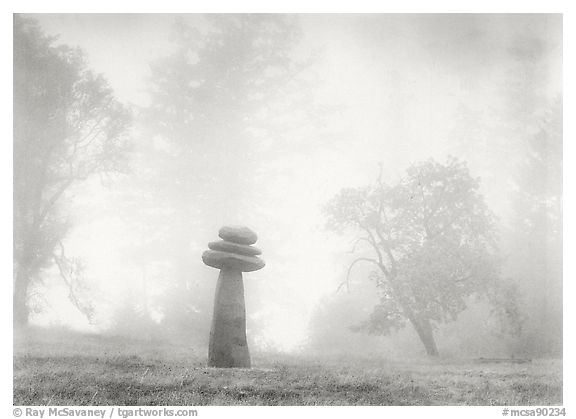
pixel 232 255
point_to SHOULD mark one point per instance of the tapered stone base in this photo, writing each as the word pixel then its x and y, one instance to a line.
pixel 228 347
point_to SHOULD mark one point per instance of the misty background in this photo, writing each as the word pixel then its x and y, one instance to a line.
pixel 286 111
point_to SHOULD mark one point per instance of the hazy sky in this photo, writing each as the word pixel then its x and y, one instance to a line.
pixel 400 80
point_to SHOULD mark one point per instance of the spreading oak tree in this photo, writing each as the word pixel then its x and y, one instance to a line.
pixel 431 240
pixel 67 127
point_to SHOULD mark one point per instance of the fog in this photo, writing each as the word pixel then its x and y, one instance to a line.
pixel 365 97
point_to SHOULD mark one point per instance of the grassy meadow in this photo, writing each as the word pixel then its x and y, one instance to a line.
pixel 77 369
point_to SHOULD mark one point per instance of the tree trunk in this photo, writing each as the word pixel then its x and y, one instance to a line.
pixel 422 326
pixel 423 329
pixel 20 302
pixel 426 335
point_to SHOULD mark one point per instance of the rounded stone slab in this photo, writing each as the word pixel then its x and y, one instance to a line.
pixel 238 234
pixel 221 260
pixel 240 249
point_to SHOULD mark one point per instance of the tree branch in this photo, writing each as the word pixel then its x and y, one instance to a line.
pixel 358 241
pixel 86 141
pixel 393 268
pixel 347 280
pixel 65 185
pixel 370 239
pixel 71 276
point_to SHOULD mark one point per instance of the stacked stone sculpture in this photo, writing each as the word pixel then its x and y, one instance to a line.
pixel 233 255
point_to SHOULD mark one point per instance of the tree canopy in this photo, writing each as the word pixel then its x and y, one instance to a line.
pixel 216 102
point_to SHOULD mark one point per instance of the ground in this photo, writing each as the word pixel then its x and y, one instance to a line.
pixel 72 369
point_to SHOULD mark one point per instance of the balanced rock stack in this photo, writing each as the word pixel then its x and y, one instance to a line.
pixel 233 255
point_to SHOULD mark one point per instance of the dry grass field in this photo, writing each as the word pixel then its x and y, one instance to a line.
pixel 75 369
